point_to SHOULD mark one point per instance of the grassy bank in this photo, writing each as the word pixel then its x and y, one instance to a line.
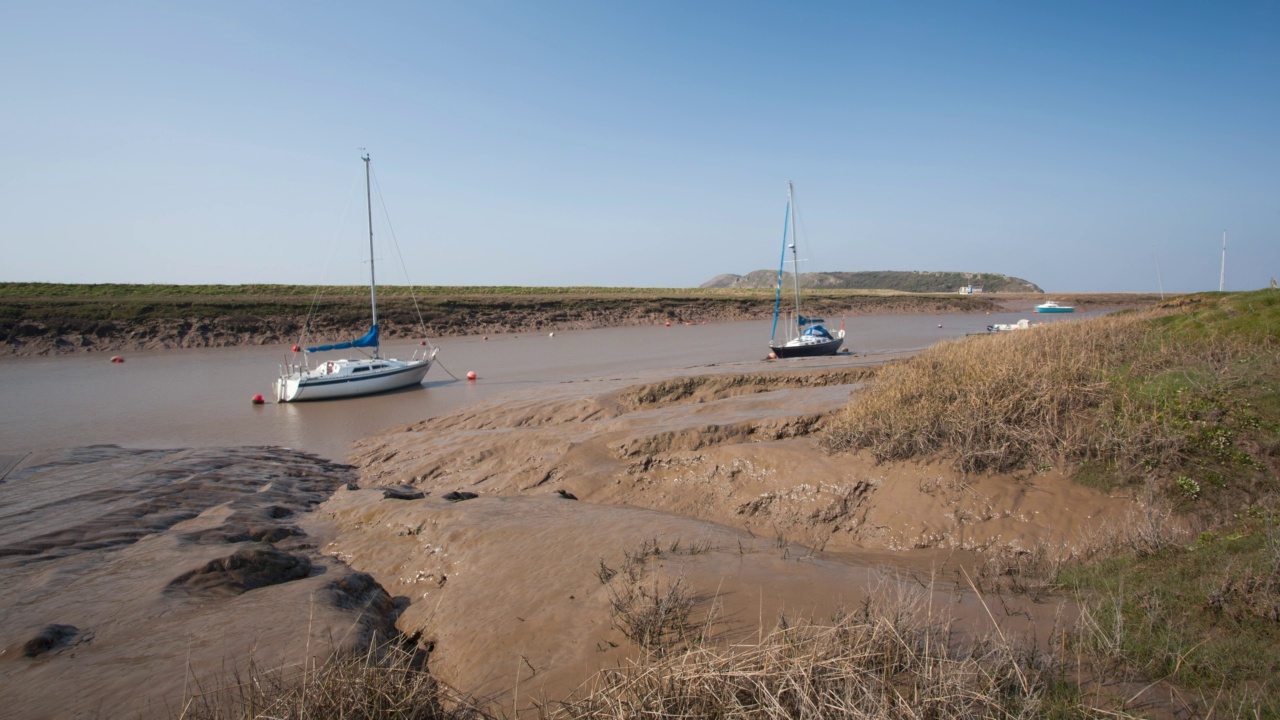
pixel 37 318
pixel 1178 405
pixel 1185 394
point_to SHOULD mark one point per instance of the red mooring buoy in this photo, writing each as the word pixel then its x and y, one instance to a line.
pixel 471 375
pixel 422 342
pixel 296 348
pixel 117 359
pixel 257 400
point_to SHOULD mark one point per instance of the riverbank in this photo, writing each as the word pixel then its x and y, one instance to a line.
pixel 38 319
pixel 516 543
pixel 566 539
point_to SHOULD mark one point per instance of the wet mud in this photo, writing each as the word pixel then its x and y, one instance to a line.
pixel 128 575
pixel 517 538
pixel 717 481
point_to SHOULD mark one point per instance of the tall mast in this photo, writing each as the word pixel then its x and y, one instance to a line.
pixel 1158 278
pixel 373 282
pixel 795 261
pixel 1222 278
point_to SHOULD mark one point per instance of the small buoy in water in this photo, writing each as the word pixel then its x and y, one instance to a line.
pixel 939 324
pixel 551 334
pixel 422 342
pixel 773 356
pixel 257 400
pixel 117 359
pixel 471 375
pixel 296 348
pixel 668 323
pixel 486 337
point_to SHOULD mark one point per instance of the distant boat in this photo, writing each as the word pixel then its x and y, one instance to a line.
pixel 352 377
pixel 805 337
pixel 1022 324
pixel 1053 307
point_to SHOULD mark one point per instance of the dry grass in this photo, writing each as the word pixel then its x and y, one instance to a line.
pixel 652 611
pixel 894 657
pixel 1166 391
pixel 388 682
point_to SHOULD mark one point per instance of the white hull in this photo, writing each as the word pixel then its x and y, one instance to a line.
pixel 350 378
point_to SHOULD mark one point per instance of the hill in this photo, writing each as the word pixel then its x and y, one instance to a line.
pixel 901 280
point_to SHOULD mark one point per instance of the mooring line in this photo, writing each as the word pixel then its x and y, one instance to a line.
pixel 442 367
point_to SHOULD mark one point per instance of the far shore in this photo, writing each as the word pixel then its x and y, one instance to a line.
pixel 51 319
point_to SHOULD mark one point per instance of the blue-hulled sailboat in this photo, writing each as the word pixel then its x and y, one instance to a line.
pixel 806 337
pixel 351 377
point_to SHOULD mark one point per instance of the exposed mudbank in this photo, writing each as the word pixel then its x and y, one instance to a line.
pixel 126 574
pixel 45 326
pixel 719 479
pixel 521 539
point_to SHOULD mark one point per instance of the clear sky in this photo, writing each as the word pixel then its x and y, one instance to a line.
pixel 640 143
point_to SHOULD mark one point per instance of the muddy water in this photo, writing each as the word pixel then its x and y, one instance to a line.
pixel 201 398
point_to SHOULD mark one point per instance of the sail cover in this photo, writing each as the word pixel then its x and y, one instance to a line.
pixel 369 340
pixel 809 321
pixel 819 332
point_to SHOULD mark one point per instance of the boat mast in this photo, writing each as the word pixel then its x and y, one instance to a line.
pixel 795 261
pixel 1159 280
pixel 373 282
pixel 782 265
pixel 1222 278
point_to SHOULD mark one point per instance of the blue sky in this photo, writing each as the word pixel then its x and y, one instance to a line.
pixel 641 143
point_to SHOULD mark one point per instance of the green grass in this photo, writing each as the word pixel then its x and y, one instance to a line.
pixel 1204 617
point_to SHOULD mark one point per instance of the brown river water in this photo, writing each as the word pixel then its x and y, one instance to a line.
pixel 219 531
pixel 201 398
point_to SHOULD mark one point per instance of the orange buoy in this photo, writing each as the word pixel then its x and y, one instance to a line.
pixel 471 375
pixel 257 400
pixel 296 348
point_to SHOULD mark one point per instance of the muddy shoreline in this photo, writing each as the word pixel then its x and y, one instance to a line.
pixel 42 326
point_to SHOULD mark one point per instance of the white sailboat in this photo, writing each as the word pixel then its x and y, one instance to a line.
pixel 806 337
pixel 351 377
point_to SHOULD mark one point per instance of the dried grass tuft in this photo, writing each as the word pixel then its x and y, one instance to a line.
pixel 893 657
pixel 388 682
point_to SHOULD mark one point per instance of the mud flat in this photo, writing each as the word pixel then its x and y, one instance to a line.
pixel 128 575
pixel 515 543
pixel 539 512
